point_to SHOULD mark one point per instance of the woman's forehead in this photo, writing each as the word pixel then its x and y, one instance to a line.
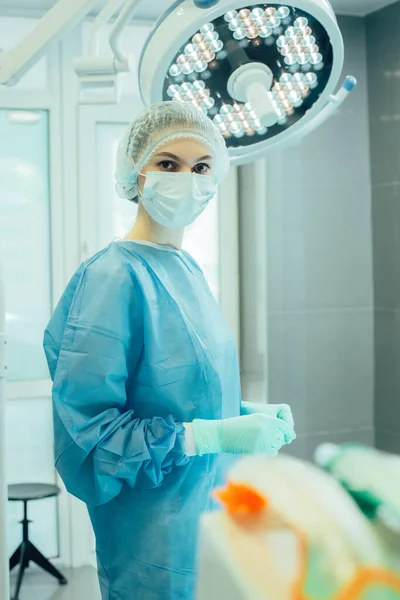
pixel 185 148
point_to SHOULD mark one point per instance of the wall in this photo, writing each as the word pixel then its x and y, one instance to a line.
pixel 320 289
pixel 383 52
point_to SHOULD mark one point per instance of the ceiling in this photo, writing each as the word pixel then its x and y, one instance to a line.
pixel 152 10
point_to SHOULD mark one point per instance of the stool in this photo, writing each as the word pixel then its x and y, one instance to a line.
pixel 27 552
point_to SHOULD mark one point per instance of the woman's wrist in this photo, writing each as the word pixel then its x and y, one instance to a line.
pixel 190 443
pixel 202 437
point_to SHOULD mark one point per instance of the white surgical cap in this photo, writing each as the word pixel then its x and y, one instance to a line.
pixel 161 123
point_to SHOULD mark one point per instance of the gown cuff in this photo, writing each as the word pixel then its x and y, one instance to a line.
pixel 190 443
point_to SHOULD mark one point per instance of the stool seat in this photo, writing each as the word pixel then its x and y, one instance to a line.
pixel 26 551
pixel 23 492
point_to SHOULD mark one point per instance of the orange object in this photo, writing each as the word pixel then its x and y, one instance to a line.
pixel 240 499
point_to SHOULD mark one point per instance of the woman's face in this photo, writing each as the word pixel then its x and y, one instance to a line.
pixel 180 156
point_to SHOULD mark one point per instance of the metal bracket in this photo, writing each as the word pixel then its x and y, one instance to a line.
pixel 98 78
pixel 99 75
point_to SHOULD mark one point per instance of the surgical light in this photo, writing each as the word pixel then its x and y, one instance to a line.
pixel 269 69
pixel 275 64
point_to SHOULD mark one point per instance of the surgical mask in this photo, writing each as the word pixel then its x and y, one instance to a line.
pixel 175 200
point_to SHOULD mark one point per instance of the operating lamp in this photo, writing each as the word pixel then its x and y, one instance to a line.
pixel 264 72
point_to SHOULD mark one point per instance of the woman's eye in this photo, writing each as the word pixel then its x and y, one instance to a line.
pixel 167 165
pixel 201 169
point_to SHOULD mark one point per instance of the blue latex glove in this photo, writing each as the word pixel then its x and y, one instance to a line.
pixel 279 411
pixel 251 434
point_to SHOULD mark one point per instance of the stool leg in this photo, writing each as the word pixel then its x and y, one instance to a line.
pixel 23 563
pixel 45 564
pixel 14 560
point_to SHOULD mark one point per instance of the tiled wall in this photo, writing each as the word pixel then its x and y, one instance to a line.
pixel 321 354
pixel 383 53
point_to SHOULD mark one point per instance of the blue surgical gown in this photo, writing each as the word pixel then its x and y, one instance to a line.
pixel 136 347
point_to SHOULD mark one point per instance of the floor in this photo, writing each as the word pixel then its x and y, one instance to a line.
pixel 82 585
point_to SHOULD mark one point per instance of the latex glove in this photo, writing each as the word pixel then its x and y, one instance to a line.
pixel 250 434
pixel 279 411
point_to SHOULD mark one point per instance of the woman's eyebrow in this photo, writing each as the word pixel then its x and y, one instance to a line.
pixel 170 155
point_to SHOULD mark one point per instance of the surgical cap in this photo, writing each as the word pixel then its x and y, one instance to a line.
pixel 160 124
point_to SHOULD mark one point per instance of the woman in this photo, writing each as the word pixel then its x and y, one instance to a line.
pixel 146 378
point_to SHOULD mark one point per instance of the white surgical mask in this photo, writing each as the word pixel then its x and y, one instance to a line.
pixel 175 200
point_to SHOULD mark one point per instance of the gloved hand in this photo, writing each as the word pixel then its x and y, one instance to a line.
pixel 279 411
pixel 249 434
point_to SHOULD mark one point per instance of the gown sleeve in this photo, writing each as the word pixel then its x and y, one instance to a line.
pixel 99 444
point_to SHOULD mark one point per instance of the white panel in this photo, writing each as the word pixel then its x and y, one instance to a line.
pixel 202 242
pixel 254 282
pixel 115 215
pixel 25 238
pixel 30 459
pixel 229 298
pixel 11 32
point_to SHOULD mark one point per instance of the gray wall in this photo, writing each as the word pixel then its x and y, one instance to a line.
pixel 383 52
pixel 320 286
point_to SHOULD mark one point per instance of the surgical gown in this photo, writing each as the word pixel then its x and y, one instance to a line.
pixel 136 347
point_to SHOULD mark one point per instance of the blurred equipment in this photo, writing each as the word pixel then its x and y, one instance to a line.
pixel 371 477
pixel 290 531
